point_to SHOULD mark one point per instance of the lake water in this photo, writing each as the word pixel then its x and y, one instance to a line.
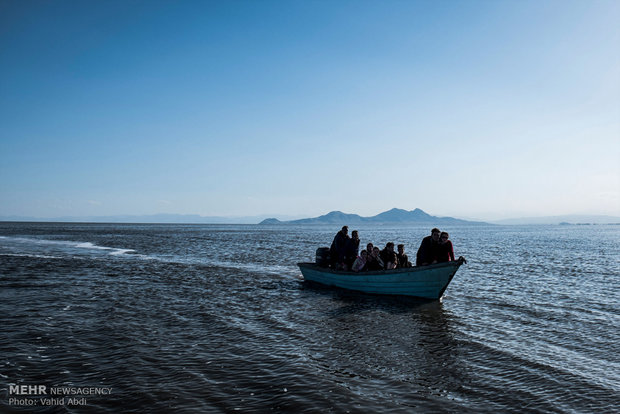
pixel 206 318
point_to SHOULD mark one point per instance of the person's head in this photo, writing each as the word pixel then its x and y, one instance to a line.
pixel 369 247
pixel 364 254
pixel 401 248
pixel 435 233
pixel 444 237
pixel 345 229
pixel 389 246
pixel 354 234
pixel 375 251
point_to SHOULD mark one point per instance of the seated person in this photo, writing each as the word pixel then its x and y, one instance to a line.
pixel 446 251
pixel 389 256
pixel 403 259
pixel 391 261
pixel 374 260
pixel 369 247
pixel 360 263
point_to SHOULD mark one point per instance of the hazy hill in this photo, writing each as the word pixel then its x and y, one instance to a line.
pixel 567 219
pixel 152 219
pixel 394 215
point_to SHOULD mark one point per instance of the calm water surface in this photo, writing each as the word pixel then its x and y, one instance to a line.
pixel 204 318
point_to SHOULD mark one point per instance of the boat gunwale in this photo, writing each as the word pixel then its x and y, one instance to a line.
pixel 314 266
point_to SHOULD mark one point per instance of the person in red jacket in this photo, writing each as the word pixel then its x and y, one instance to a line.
pixel 446 251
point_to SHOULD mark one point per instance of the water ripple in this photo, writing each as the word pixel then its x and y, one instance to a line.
pixel 216 319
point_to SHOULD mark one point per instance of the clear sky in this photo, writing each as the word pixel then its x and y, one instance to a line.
pixel 474 109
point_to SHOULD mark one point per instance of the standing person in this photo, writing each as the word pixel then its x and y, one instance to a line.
pixel 403 259
pixel 429 249
pixel 351 248
pixel 361 262
pixel 337 249
pixel 446 251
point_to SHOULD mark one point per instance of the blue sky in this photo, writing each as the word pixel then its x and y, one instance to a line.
pixel 477 109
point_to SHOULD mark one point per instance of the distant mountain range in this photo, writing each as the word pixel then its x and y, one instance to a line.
pixel 153 218
pixel 566 219
pixel 394 215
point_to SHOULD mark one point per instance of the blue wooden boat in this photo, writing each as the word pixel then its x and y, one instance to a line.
pixel 428 282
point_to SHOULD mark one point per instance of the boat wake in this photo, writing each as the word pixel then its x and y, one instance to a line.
pixel 63 249
pixel 57 245
pixel 35 256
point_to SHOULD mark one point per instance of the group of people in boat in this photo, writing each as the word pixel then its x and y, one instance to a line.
pixel 436 248
pixel 346 255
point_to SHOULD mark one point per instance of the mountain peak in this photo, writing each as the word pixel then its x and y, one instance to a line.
pixel 334 213
pixel 271 221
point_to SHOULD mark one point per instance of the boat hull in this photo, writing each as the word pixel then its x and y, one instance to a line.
pixel 428 282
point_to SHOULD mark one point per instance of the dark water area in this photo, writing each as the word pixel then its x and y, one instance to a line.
pixel 206 318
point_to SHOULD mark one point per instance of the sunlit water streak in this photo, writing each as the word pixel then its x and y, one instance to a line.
pixel 216 318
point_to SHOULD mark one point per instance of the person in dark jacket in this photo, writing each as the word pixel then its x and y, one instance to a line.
pixel 374 261
pixel 337 249
pixel 389 256
pixel 351 248
pixel 403 259
pixel 369 247
pixel 428 252
pixel 446 251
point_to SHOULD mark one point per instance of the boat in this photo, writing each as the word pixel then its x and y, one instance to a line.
pixel 426 282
